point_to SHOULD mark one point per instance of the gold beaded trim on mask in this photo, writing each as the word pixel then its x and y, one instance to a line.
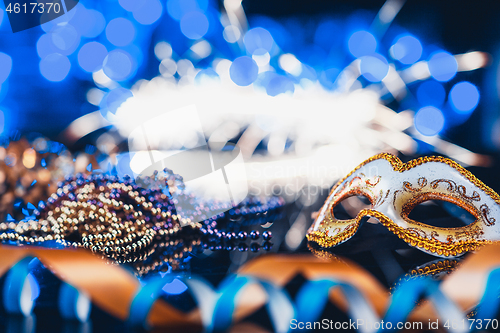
pixel 325 241
pixel 432 245
pixel 434 268
pixel 430 269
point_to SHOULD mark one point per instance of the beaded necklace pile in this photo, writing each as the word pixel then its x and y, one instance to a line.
pixel 121 221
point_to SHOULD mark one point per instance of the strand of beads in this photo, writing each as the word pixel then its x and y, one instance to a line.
pixel 122 221
pixel 172 251
pixel 102 214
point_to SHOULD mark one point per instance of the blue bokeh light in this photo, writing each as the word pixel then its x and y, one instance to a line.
pixel 464 97
pixel 280 85
pixel 258 41
pixel 61 20
pixel 120 31
pixel 429 121
pixel 2 121
pixel 5 66
pixel 131 5
pixel 432 93
pixel 136 55
pixel 264 78
pixel 328 78
pixel 4 88
pixel 178 8
pixel 194 25
pixel 280 34
pixel 148 13
pixel 1 16
pixel 175 9
pixel 112 101
pixel 206 74
pixel 65 39
pixel 44 46
pixel 88 22
pixel 118 65
pixel 442 66
pixel 91 56
pixel 362 43
pixel 374 67
pixel 175 287
pixel 55 67
pixel 243 71
pixel 406 49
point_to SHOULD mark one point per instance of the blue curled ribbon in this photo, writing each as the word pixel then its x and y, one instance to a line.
pixel 144 300
pixel 489 304
pixel 17 302
pixel 201 291
pixel 217 306
pixel 313 297
pixel 205 297
pixel 409 293
pixel 279 304
pixel 73 305
pixel 14 286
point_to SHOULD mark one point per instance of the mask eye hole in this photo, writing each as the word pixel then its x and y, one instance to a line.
pixel 349 207
pixel 442 214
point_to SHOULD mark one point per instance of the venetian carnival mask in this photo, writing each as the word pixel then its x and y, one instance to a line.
pixel 395 188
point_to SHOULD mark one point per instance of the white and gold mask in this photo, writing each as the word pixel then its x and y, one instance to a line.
pixel 394 188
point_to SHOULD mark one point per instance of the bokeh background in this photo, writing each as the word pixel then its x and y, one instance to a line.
pixel 307 89
pixel 56 73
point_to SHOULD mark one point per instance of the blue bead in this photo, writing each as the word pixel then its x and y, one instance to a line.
pixel 267 235
pixel 267 246
pixel 254 247
pixel 254 234
pixel 242 235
